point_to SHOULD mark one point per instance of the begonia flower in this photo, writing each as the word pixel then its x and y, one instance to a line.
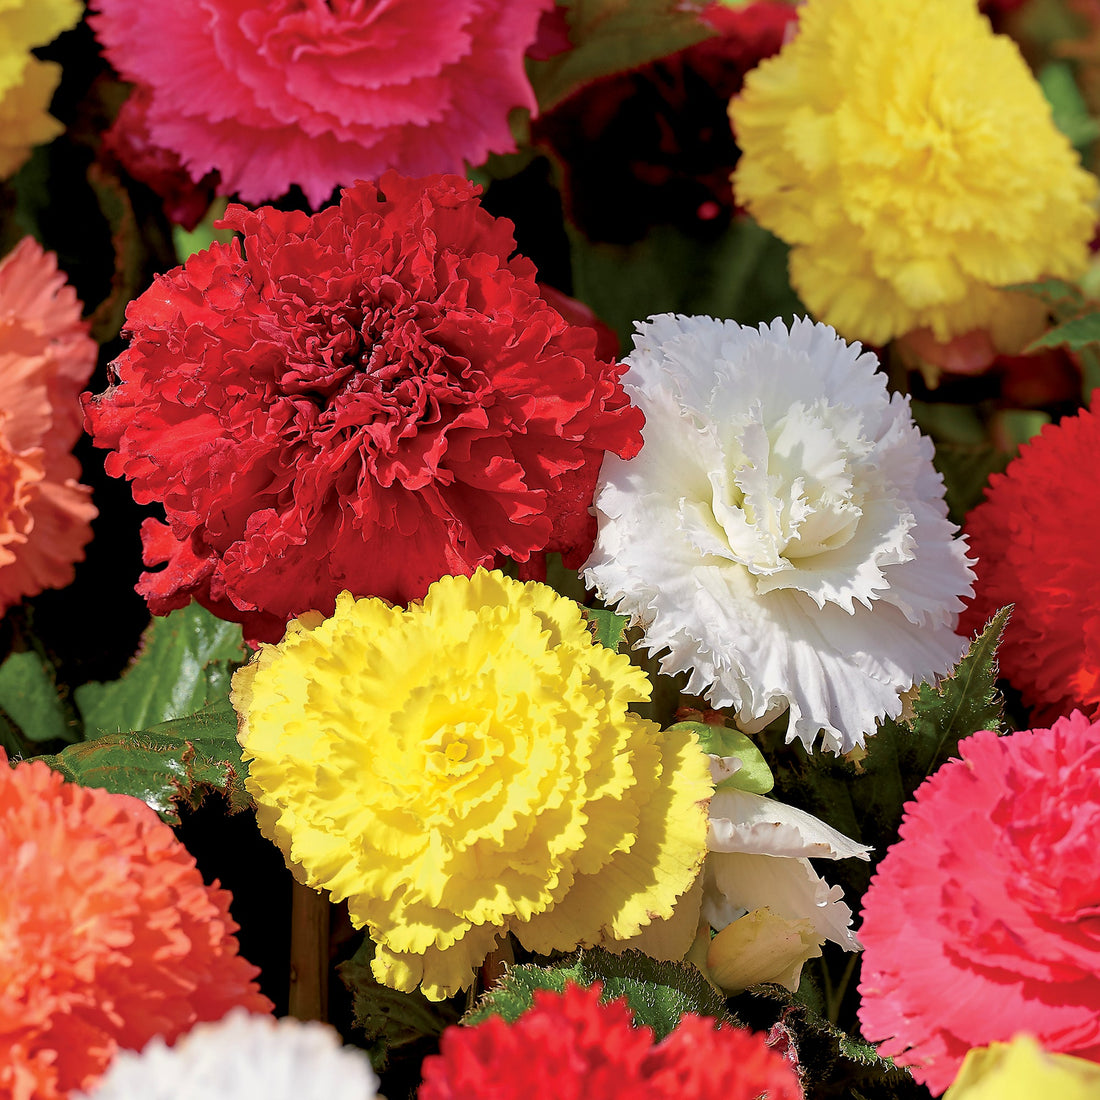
pixel 909 158
pixel 981 921
pixel 26 83
pixel 1035 545
pixel 242 1057
pixel 468 768
pixel 367 399
pixel 1022 1070
pixel 110 935
pixel 46 359
pixel 783 533
pixel 761 895
pixel 570 1046
pixel 326 92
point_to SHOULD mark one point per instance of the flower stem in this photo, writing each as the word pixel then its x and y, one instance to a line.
pixel 309 916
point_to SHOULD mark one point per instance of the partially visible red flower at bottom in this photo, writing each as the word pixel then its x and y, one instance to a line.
pixel 569 1046
pixel 109 934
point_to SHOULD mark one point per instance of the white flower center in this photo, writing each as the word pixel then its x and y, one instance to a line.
pixel 788 491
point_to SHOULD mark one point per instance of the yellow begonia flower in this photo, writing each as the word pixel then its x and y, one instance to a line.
pixel 468 768
pixel 760 947
pixel 27 84
pixel 1022 1070
pixel 908 156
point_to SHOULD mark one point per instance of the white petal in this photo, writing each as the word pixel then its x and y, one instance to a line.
pixel 736 883
pixel 744 822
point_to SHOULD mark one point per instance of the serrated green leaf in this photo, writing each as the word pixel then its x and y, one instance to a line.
pixel 614 36
pixel 185 660
pixel 963 703
pixel 754 775
pixel 1076 333
pixel 174 761
pixel 658 993
pixel 29 696
pixel 607 627
pixel 388 1018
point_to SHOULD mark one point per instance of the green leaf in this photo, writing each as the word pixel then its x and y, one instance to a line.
pixel 174 761
pixel 1060 295
pixel 389 1019
pixel 962 704
pixel 184 662
pixel 1071 113
pixel 29 697
pixel 741 275
pixel 966 469
pixel 754 775
pixel 658 993
pixel 187 242
pixel 1076 333
pixel 614 36
pixel 901 755
pixel 607 627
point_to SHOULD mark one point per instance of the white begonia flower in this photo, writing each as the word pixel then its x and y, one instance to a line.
pixel 758 863
pixel 782 533
pixel 241 1057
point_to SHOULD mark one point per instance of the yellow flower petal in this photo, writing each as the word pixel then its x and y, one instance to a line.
pixel 1022 1070
pixel 761 947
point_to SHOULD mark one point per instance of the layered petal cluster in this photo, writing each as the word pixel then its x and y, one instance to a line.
pixel 27 84
pixel 782 534
pixel 239 1057
pixel 366 399
pixel 325 92
pixel 761 895
pixel 1036 550
pixel 469 768
pixel 110 934
pixel 570 1045
pixel 982 921
pixel 909 158
pixel 46 359
pixel 1022 1070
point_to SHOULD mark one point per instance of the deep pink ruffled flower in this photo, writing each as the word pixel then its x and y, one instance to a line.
pixel 984 919
pixel 321 93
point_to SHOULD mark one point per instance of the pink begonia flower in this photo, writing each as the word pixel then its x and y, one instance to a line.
pixel 272 93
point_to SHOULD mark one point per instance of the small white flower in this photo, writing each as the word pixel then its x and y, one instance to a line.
pixel 241 1057
pixel 758 870
pixel 782 533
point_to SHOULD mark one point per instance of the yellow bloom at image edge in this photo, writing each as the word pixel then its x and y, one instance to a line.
pixel 27 84
pixel 469 768
pixel 1022 1070
pixel 908 156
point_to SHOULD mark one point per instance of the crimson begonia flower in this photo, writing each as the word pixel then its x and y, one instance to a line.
pixel 369 398
pixel 1036 546
pixel 984 919
pixel 110 936
pixel 570 1046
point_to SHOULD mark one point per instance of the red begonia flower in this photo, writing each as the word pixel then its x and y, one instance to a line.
pixel 569 1046
pixel 1035 545
pixel 369 399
